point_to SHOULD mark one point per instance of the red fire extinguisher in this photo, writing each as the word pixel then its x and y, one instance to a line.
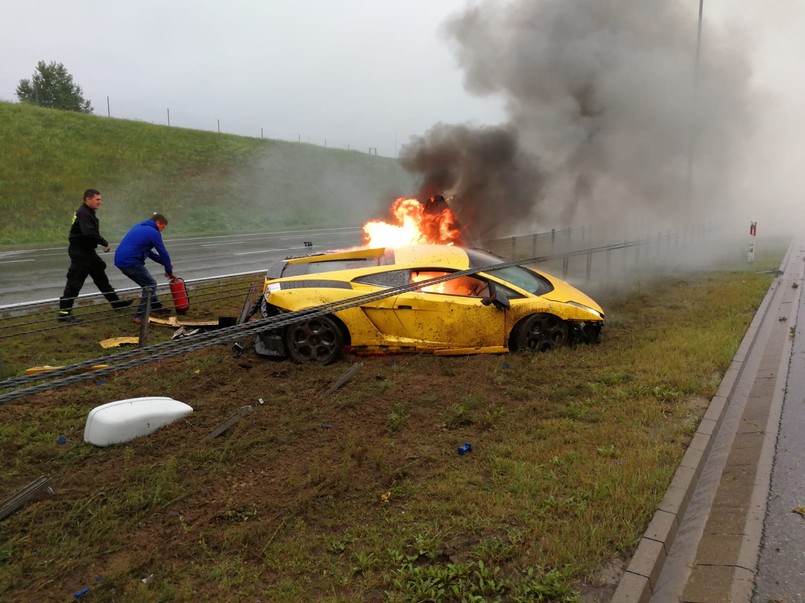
pixel 179 293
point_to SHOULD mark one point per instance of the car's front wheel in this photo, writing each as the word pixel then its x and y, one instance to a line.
pixel 318 340
pixel 541 332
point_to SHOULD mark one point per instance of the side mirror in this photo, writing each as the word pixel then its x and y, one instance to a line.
pixel 496 298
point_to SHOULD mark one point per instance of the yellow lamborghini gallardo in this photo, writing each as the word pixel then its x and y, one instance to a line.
pixel 422 298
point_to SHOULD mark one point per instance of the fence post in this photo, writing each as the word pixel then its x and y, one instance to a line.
pixel 565 262
pixel 553 241
pixel 514 245
pixel 144 322
pixel 625 254
pixel 534 246
pixel 589 266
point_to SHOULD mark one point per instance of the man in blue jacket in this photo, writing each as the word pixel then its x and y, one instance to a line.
pixel 142 241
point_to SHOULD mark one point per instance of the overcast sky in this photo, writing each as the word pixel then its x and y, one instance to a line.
pixel 357 73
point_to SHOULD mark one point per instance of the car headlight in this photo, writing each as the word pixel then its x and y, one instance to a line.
pixel 274 287
pixel 586 309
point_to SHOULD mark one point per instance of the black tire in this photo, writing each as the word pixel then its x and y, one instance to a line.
pixel 316 341
pixel 540 333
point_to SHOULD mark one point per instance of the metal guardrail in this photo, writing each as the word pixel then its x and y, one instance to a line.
pixel 133 358
pixel 161 351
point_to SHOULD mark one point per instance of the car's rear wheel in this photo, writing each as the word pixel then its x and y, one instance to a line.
pixel 318 340
pixel 541 332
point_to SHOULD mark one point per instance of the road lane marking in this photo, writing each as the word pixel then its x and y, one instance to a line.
pixel 265 251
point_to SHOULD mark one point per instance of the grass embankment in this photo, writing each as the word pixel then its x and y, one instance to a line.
pixel 361 495
pixel 204 182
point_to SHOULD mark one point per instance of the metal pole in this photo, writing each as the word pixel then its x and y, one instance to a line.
pixel 108 109
pixel 169 116
pixel 692 124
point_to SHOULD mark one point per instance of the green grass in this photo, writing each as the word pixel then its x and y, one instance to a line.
pixel 361 495
pixel 204 182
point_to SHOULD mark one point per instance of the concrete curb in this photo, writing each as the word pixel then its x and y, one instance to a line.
pixel 750 547
pixel 640 578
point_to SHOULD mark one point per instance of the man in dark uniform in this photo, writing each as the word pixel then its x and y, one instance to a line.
pixel 84 237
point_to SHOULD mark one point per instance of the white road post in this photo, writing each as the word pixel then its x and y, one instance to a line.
pixel 750 256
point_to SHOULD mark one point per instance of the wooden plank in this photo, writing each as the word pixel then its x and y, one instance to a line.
pixel 236 416
pixel 353 370
pixel 34 490
pixel 247 305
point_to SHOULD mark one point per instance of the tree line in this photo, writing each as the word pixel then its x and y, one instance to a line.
pixel 52 86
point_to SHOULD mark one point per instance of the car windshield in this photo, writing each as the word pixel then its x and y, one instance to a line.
pixel 518 276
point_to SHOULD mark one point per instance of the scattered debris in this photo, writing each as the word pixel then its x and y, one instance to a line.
pixel 237 416
pixel 465 447
pixel 183 332
pixel 385 497
pixel 42 369
pixel 308 243
pixel 800 510
pixel 62 440
pixel 32 491
pixel 80 593
pixel 782 318
pixel 123 420
pixel 173 321
pixel 245 313
pixel 353 370
pixel 116 342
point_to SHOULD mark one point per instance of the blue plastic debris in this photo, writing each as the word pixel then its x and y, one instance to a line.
pixel 466 447
pixel 62 439
pixel 81 593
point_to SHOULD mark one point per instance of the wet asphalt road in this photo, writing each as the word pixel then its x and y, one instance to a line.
pixel 781 566
pixel 39 274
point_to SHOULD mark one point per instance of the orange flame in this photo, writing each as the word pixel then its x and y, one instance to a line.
pixel 414 223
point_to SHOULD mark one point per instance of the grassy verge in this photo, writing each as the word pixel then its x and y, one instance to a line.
pixel 204 182
pixel 361 495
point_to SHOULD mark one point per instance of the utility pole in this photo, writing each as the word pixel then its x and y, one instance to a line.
pixel 692 124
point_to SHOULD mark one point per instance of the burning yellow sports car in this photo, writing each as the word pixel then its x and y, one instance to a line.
pixel 441 299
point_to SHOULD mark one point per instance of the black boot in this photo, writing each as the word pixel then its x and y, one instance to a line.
pixel 66 316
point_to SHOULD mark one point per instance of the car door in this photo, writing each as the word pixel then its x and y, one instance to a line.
pixel 450 320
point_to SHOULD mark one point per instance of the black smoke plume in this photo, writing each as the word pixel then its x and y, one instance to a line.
pixel 604 97
pixel 492 181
